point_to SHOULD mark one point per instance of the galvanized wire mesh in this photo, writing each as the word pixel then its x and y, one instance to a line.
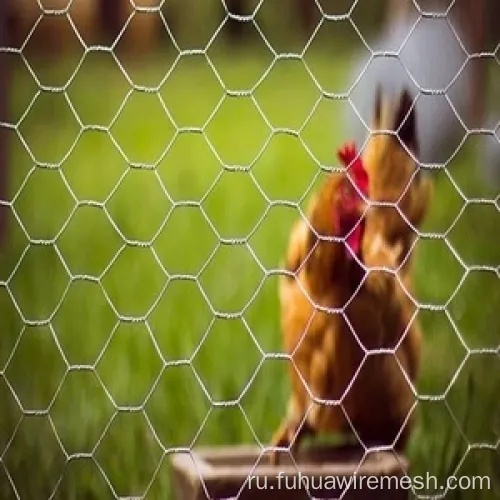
pixel 199 205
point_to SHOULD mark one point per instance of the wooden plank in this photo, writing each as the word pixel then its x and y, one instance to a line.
pixel 227 472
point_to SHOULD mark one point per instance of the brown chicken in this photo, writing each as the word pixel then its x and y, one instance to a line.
pixel 334 308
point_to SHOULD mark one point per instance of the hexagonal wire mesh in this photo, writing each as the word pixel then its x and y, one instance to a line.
pixel 132 317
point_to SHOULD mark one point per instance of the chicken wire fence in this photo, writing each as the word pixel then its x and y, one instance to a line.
pixel 127 242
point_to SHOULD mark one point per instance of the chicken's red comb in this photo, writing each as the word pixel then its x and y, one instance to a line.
pixel 349 157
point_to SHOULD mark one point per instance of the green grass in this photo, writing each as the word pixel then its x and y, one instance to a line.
pixel 175 312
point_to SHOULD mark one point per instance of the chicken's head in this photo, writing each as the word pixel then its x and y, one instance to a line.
pixel 349 204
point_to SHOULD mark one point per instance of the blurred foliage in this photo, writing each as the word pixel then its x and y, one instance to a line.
pixel 287 25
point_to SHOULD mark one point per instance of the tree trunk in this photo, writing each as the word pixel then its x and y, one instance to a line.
pixel 475 21
pixel 111 18
pixel 308 13
pixel 4 85
pixel 236 28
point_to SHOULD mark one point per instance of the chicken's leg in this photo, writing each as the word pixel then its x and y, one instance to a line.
pixel 290 433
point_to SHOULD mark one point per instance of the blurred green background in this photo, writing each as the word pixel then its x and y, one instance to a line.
pixel 104 400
